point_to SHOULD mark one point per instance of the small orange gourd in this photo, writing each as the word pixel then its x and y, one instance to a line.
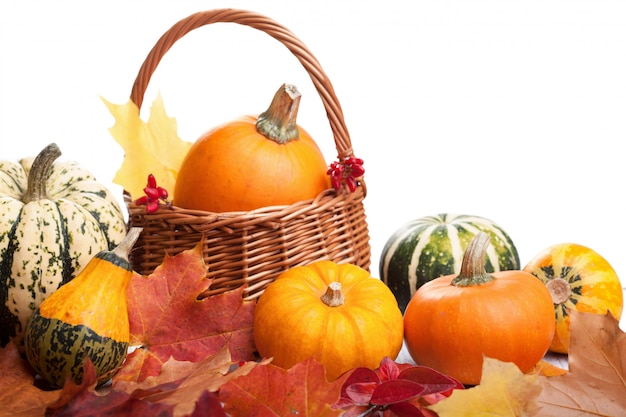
pixel 253 162
pixel 578 278
pixel 336 313
pixel 452 322
pixel 86 317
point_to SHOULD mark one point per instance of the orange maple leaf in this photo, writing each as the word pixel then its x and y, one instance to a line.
pixel 167 320
pixel 269 390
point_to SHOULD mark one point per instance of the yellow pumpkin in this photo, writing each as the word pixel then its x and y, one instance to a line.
pixel 336 313
pixel 578 278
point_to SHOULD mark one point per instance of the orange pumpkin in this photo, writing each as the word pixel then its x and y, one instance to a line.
pixel 578 278
pixel 336 313
pixel 452 322
pixel 253 162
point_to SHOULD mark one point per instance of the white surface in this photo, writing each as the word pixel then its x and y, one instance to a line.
pixel 509 110
pixel 556 359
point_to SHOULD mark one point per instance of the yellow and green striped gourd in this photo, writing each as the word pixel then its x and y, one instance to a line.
pixel 86 317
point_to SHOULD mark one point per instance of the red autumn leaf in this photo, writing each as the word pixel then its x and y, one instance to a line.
pixel 164 400
pixel 167 319
pixel 272 391
pixel 360 393
pixel 138 366
pixel 114 404
pixel 405 409
pixel 433 382
pixel 172 372
pixel 402 389
pixel 362 375
pixel 357 376
pixel 395 391
pixel 175 373
pixel 388 369
pixel 208 405
pixel 181 384
pixel 83 400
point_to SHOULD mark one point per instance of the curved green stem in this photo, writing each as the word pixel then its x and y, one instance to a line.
pixel 473 266
pixel 39 173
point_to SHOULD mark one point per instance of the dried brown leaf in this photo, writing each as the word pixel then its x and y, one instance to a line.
pixel 18 396
pixel 596 382
pixel 182 383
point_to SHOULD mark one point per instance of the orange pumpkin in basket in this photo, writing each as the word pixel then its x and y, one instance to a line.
pixel 253 162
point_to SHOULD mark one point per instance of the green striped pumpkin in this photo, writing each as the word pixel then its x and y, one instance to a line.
pixel 433 246
pixel 54 217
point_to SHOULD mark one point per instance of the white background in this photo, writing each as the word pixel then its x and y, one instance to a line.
pixel 511 110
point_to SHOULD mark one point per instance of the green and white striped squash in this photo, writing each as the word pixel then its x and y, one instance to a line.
pixel 433 246
pixel 54 217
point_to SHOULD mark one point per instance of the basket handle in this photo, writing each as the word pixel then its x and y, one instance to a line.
pixel 272 28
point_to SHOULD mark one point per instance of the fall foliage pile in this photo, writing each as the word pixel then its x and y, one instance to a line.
pixel 196 358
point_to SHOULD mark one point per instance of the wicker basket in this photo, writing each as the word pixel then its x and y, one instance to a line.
pixel 251 249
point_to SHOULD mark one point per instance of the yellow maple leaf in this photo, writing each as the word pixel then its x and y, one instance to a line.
pixel 504 391
pixel 151 147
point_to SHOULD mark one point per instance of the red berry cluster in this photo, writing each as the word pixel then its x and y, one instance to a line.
pixel 154 196
pixel 347 171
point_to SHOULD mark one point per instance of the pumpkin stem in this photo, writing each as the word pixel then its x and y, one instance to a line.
pixel 278 122
pixel 126 245
pixel 559 289
pixel 39 173
pixel 333 297
pixel 473 265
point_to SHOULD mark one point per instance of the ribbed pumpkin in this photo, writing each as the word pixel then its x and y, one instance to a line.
pixel 578 278
pixel 87 317
pixel 454 321
pixel 54 218
pixel 336 313
pixel 253 162
pixel 433 246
